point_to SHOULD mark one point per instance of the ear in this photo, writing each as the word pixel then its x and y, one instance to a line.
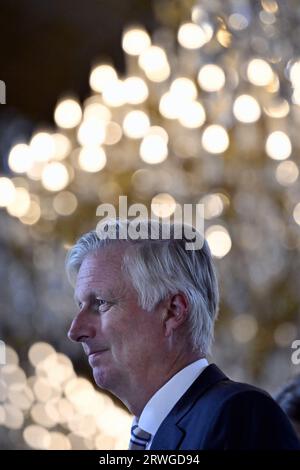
pixel 176 313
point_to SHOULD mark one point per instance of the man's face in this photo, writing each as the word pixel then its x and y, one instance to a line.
pixel 123 341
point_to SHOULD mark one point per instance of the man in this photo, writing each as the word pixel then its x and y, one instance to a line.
pixel 146 313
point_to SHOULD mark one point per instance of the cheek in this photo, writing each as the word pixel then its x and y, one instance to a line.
pixel 114 331
pixel 131 335
pixel 143 340
pixel 124 342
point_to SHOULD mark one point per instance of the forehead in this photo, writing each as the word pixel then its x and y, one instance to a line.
pixel 100 269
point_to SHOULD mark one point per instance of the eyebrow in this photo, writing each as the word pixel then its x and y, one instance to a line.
pixel 90 296
pixel 93 294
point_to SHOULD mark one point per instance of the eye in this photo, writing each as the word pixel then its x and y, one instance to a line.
pixel 100 303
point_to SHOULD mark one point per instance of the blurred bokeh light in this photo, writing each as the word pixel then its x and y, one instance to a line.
pixel 55 408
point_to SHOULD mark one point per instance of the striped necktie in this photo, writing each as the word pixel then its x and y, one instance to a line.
pixel 139 438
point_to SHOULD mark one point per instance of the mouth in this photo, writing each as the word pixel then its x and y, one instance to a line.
pixel 93 356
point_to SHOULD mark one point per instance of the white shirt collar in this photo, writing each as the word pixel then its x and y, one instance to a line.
pixel 162 402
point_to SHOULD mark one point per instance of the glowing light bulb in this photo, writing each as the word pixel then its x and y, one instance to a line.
pixel 113 133
pixel 211 78
pixel 213 205
pixel 62 146
pixel 32 215
pixel 184 89
pixel 192 114
pixel 55 176
pixel 135 41
pixel 153 149
pixel 136 90
pixel 136 124
pixel 91 132
pixel 158 130
pixel 42 147
pixel 246 109
pixel 287 173
pixel 20 204
pixel 295 74
pixel 278 145
pixel 7 191
pixel 101 76
pixel 259 72
pixel 20 158
pixel 155 64
pixel 94 110
pixel 163 205
pixel 67 113
pixel 92 159
pixel 65 203
pixel 114 93
pixel 194 36
pixel 215 139
pixel 168 106
pixel 296 213
pixel 219 240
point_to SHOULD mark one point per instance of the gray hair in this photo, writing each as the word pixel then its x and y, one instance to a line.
pixel 158 267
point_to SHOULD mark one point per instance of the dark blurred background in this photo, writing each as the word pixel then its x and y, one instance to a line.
pixel 48 48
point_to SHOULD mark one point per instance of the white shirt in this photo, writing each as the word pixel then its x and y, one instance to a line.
pixel 162 402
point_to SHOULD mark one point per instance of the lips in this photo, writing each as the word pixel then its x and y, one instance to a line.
pixel 95 355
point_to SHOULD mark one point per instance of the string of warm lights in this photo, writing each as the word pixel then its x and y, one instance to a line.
pixel 56 409
pixel 201 104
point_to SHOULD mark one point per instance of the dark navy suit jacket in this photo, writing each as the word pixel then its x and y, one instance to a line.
pixel 218 413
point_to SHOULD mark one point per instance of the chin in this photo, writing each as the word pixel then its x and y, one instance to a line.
pixel 99 376
pixel 107 380
pixel 102 377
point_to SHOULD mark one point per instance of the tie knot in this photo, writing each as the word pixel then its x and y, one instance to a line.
pixel 139 438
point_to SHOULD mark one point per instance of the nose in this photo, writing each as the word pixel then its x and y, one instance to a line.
pixel 81 328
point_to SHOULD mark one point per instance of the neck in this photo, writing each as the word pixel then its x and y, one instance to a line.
pixel 153 382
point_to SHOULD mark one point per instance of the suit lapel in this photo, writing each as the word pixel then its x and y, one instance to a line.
pixel 170 434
